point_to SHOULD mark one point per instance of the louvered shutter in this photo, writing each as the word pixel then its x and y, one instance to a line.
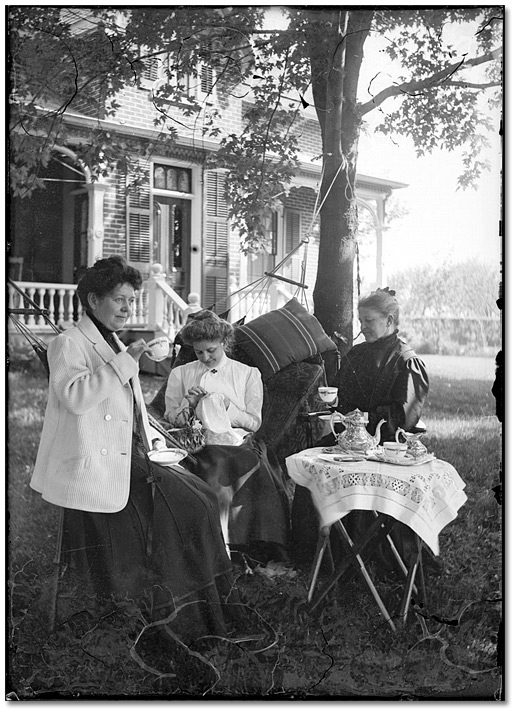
pixel 215 244
pixel 138 225
pixel 206 80
pixel 292 239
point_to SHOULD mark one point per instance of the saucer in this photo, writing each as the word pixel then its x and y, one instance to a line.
pixel 404 461
pixel 167 456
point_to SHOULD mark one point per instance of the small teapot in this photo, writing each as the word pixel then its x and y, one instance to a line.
pixel 415 447
pixel 355 437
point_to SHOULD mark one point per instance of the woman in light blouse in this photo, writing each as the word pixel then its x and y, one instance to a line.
pixel 226 396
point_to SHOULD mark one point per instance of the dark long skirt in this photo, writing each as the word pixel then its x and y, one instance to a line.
pixel 163 551
pixel 252 494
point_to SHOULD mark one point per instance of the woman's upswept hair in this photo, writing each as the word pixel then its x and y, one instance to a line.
pixel 207 326
pixel 382 300
pixel 101 278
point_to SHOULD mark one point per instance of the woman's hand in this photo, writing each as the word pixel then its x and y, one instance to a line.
pixel 194 395
pixel 137 348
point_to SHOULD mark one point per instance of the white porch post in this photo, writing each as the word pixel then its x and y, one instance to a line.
pixel 96 229
pixel 380 227
pixel 155 298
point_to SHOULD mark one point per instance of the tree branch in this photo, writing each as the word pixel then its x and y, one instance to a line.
pixel 435 79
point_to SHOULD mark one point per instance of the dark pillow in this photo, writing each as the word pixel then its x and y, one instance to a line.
pixel 281 337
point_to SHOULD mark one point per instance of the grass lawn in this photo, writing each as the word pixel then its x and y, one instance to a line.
pixel 447 651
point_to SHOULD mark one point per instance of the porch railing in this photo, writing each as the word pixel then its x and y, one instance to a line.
pixel 157 306
pixel 59 299
pixel 253 303
pixel 167 311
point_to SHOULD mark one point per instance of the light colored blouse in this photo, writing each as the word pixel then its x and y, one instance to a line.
pixel 240 383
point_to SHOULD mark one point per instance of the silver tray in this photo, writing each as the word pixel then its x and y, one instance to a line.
pixel 403 461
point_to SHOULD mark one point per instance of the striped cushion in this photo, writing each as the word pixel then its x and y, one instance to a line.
pixel 279 338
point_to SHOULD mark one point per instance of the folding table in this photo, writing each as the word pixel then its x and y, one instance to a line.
pixel 425 497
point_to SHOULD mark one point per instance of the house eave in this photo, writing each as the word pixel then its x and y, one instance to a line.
pixel 308 174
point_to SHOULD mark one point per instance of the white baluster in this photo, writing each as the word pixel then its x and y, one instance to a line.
pixel 70 305
pixel 169 326
pixel 61 305
pixel 177 320
pixel 139 306
pixel 52 292
pixel 30 319
pixel 41 304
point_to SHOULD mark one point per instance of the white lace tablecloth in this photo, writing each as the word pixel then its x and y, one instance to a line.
pixel 425 497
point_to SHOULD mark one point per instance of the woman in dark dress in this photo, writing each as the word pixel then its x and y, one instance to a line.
pixel 382 377
pixel 142 531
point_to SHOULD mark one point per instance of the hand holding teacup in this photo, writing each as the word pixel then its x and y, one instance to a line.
pixel 158 348
pixel 328 394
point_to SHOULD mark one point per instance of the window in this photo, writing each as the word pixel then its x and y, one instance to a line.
pixel 156 73
pixel 172 178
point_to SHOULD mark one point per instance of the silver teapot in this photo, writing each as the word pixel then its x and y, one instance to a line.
pixel 415 447
pixel 355 437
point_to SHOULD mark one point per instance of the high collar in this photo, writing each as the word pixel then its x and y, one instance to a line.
pixel 223 361
pixel 384 342
pixel 105 332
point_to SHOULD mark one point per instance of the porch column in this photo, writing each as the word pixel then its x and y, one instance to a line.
pixel 96 228
pixel 380 227
pixel 156 303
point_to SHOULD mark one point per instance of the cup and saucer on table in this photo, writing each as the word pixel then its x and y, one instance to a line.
pixel 396 453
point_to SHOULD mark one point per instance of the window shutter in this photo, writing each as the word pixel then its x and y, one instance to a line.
pixel 215 244
pixel 138 223
pixel 150 73
pixel 206 80
pixel 292 239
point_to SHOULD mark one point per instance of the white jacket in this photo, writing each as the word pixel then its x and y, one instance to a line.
pixel 85 450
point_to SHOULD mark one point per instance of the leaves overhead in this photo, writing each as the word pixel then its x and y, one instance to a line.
pixel 61 57
pixel 436 78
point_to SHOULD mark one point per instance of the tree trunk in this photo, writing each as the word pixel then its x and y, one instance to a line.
pixel 336 53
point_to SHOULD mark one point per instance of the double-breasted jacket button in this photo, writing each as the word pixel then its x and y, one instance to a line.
pixel 108 417
pixel 104 451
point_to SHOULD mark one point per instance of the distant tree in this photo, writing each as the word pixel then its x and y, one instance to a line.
pixel 435 94
pixel 464 289
pixel 450 303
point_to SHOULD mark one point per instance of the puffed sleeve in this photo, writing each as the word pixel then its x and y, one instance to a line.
pixel 405 400
pixel 251 417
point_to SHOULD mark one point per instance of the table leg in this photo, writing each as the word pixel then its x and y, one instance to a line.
pixel 410 580
pixel 323 544
pixel 367 577
pixel 349 558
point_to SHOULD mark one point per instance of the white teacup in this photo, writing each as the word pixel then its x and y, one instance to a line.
pixel 395 450
pixel 160 347
pixel 328 394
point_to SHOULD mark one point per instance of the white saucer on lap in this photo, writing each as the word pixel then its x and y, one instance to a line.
pixel 167 456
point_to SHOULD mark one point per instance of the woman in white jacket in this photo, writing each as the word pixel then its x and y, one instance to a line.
pixel 141 530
